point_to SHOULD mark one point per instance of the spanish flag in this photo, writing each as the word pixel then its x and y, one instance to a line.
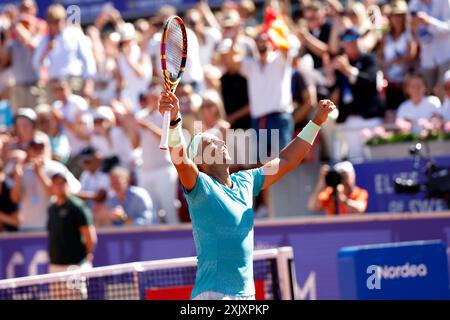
pixel 276 28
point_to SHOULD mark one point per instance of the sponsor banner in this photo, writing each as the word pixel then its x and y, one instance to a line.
pixel 409 270
pixel 377 177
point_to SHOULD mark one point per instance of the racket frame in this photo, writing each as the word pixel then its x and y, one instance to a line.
pixel 170 85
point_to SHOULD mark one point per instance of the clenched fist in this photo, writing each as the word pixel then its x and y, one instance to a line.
pixel 169 102
pixel 323 110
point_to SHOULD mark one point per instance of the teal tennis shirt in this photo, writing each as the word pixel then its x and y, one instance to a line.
pixel 222 226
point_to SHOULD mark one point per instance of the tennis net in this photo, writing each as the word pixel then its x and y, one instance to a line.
pixel 274 275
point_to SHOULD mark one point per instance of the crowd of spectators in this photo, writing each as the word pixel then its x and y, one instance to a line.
pixel 81 101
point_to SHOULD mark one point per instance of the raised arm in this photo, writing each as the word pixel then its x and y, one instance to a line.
pixel 293 154
pixel 186 168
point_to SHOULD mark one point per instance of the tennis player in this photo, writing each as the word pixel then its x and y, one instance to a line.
pixel 220 203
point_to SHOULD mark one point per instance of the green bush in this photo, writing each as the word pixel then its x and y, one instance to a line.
pixel 407 137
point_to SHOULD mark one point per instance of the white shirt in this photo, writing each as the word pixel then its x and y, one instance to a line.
pixel 269 86
pixel 445 110
pixel 94 182
pixel 428 107
pixel 435 47
pixel 75 110
pixel 35 200
pixel 392 49
pixel 152 157
pixel 207 49
pixel 71 55
pixel 133 84
pixel 118 144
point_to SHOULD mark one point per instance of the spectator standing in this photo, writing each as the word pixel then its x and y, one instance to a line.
pixel 212 115
pixel 135 67
pixel 398 49
pixel 446 104
pixel 71 112
pixel 27 33
pixel 47 123
pixel 269 87
pixel 234 87
pixel 128 204
pixel 66 53
pixel 193 74
pixel 95 183
pixel 208 36
pixel 71 234
pixel 115 144
pixel 156 174
pixel 315 32
pixel 24 128
pixel 430 23
pixel 32 183
pixel 9 211
pixel 357 79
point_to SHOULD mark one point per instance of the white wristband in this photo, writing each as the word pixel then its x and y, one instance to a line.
pixel 176 137
pixel 309 132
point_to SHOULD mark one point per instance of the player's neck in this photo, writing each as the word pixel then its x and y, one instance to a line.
pixel 222 175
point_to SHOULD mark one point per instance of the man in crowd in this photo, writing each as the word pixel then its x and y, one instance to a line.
pixel 315 31
pixel 70 110
pixel 9 210
pixel 129 204
pixel 66 53
pixel 156 174
pixel 32 187
pixel 95 184
pixel 26 37
pixel 351 198
pixel 430 23
pixel 269 88
pixel 357 80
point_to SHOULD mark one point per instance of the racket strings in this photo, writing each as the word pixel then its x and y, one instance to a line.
pixel 174 49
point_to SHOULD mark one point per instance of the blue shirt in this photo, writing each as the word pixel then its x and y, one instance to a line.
pixel 222 226
pixel 137 205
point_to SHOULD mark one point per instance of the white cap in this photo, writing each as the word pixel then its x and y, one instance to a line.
pixel 127 32
pixel 447 76
pixel 104 113
pixel 345 166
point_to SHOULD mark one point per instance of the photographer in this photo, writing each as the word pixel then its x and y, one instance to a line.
pixel 340 181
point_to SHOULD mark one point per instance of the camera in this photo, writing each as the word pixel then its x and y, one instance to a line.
pixel 436 182
pixel 333 178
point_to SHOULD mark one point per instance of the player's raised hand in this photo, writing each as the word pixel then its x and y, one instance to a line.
pixel 169 102
pixel 324 108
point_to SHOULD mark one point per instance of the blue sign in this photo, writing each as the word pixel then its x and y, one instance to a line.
pixel 129 9
pixel 377 177
pixel 408 270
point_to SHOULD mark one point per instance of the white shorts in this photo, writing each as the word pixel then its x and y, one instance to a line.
pixel 212 295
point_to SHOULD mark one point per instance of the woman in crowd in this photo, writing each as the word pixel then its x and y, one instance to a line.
pixel 397 51
pixel 415 114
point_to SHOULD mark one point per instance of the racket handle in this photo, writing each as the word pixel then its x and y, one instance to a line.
pixel 164 144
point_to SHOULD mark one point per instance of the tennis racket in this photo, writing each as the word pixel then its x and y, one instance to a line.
pixel 173 63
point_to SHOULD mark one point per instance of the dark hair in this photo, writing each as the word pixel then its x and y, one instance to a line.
pixel 415 75
pixel 312 5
